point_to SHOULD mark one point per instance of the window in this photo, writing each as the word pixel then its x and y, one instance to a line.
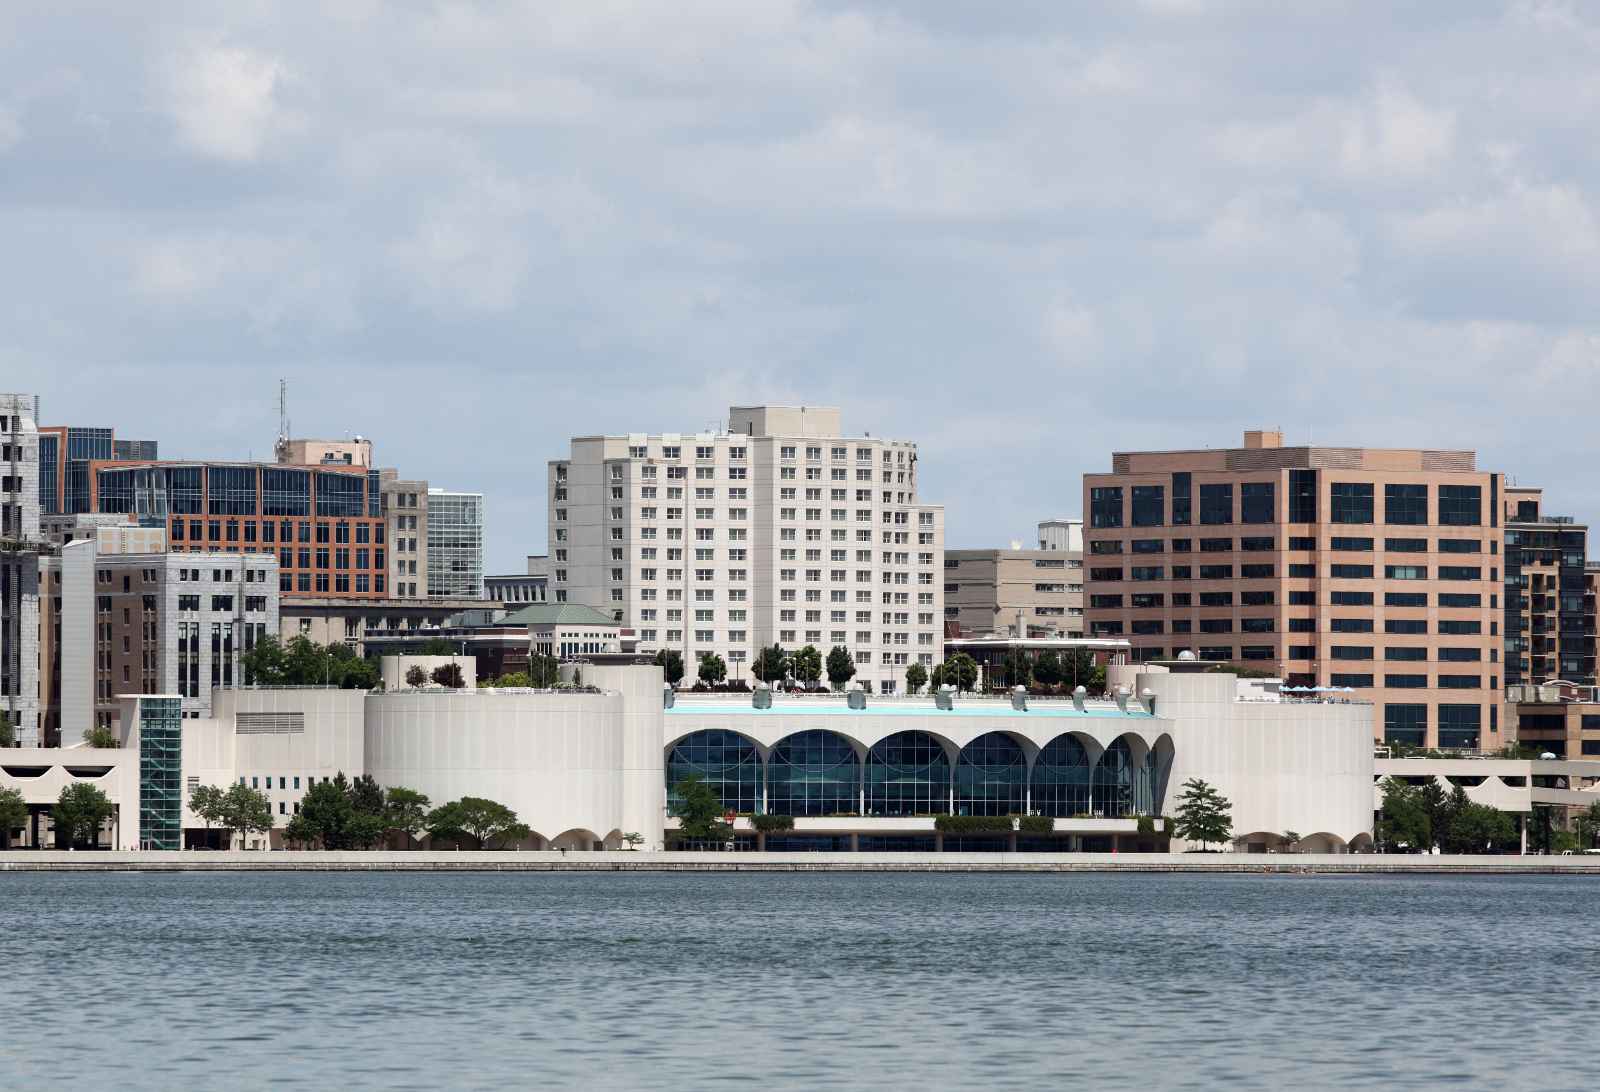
pixel 1405 599
pixel 1302 496
pixel 1460 656
pixel 1459 725
pixel 1216 599
pixel 1308 572
pixel 1216 503
pixel 1357 544
pixel 1405 625
pixel 1460 546
pixel 1350 625
pixel 1139 546
pixel 1412 654
pixel 1405 723
pixel 1355 682
pixel 1405 504
pixel 1351 598
pixel 1406 682
pixel 1105 506
pixel 1256 598
pixel 1257 544
pixel 1255 625
pixel 1301 542
pixel 1406 545
pixel 1350 502
pixel 1350 572
pixel 1138 572
pixel 1180 499
pixel 1352 652
pixel 1406 572
pixel 1104 546
pixel 1216 545
pixel 1460 505
pixel 1256 502
pixel 1460 572
pixel 1460 629
pixel 1148 506
pixel 1256 572
pixel 1459 599
pixel 1112 575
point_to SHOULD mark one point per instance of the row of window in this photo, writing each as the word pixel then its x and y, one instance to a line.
pixel 1266 543
pixel 1417 627
pixel 1268 597
pixel 1267 571
pixel 1405 504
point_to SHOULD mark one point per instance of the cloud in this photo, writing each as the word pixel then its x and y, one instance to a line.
pixel 224 100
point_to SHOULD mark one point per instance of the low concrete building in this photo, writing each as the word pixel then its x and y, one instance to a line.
pixel 395 669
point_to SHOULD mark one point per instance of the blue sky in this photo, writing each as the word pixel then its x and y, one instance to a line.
pixel 1024 235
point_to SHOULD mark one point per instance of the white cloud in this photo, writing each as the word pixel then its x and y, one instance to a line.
pixel 224 99
pixel 10 129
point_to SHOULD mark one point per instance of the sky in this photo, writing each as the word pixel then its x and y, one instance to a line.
pixel 1024 235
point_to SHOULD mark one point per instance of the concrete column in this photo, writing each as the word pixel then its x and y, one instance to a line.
pixel 938 841
pixel 761 842
pixel 1011 842
pixel 855 842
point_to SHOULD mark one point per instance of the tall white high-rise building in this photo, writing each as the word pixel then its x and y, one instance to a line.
pixel 454 550
pixel 19 564
pixel 778 530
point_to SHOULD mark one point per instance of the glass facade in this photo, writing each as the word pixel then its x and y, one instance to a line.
pixel 991 777
pixel 455 545
pixel 1459 726
pixel 1405 504
pixel 813 773
pixel 1350 502
pixel 1257 502
pixel 1149 502
pixel 49 474
pixel 726 761
pixel 1060 782
pixel 161 773
pixel 1302 496
pixel 907 774
pixel 1121 785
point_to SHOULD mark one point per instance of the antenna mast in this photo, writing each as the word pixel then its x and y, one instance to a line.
pixel 281 448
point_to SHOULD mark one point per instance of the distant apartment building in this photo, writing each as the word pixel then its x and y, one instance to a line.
pixel 1556 718
pixel 779 529
pixel 455 544
pixel 1377 570
pixel 19 564
pixel 518 589
pixel 324 524
pixel 1061 536
pixel 66 457
pixel 405 508
pixel 356 452
pixel 1549 606
pixel 1016 592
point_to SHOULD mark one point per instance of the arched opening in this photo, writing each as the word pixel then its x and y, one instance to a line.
pixel 1060 782
pixel 991 777
pixel 727 761
pixel 613 840
pixel 1161 777
pixel 814 773
pixel 1361 843
pixel 1321 842
pixel 908 773
pixel 577 839
pixel 1123 780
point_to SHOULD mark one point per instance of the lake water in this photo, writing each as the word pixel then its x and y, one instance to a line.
pixel 795 981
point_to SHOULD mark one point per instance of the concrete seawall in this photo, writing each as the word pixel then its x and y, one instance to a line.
pixel 622 861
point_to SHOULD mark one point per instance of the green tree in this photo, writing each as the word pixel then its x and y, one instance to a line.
pixel 327 812
pixel 936 677
pixel 79 812
pixel 366 795
pixel 407 811
pixel 206 802
pixel 13 815
pixel 485 821
pixel 416 677
pixel 960 671
pixel 8 734
pixel 436 646
pixel 807 664
pixel 449 676
pixel 517 679
pixel 698 808
pixel 1203 815
pixel 1403 823
pixel 712 669
pixel 1047 669
pixel 100 736
pixel 916 678
pixel 1015 668
pixel 1477 828
pixel 545 671
pixel 366 830
pixel 670 661
pixel 634 839
pixel 1587 826
pixel 300 831
pixel 1433 800
pixel 841 668
pixel 772 664
pixel 306 663
pixel 245 811
pixel 1078 669
pixel 267 664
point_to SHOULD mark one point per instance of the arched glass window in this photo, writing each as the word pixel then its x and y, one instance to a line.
pixel 908 773
pixel 726 761
pixel 991 777
pixel 1061 778
pixel 813 773
pixel 1122 786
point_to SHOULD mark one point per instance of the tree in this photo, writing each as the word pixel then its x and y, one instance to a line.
pixel 485 821
pixel 8 734
pixel 1016 668
pixel 772 664
pixel 299 831
pixel 407 811
pixel 806 664
pixel 303 662
pixel 267 664
pixel 1477 828
pixel 245 811
pixel 699 810
pixel 1587 826
pixel 206 802
pixel 1403 823
pixel 1204 815
pixel 1291 840
pixel 1433 800
pixel 545 671
pixel 327 812
pixel 13 815
pixel 1078 669
pixel 916 678
pixel 960 671
pixel 517 679
pixel 366 795
pixel 712 669
pixel 1047 669
pixel 449 676
pixel 366 830
pixel 100 736
pixel 436 646
pixel 416 677
pixel 79 812
pixel 633 839
pixel 670 660
pixel 841 668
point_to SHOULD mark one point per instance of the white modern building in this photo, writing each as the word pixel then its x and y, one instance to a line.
pixel 20 548
pixel 455 544
pixel 778 529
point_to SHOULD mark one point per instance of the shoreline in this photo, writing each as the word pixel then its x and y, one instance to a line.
pixel 158 861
